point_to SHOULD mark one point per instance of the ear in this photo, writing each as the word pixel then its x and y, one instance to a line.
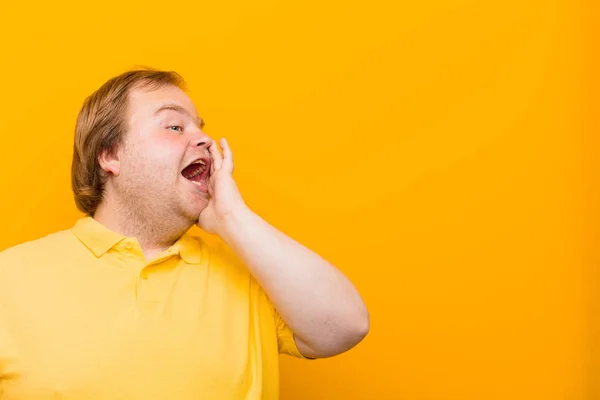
pixel 109 161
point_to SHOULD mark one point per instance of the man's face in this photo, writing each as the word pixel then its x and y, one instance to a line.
pixel 165 137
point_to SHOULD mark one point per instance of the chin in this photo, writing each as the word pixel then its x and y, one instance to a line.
pixel 194 209
pixel 191 204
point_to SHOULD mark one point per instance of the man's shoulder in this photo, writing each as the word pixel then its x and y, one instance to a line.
pixel 34 249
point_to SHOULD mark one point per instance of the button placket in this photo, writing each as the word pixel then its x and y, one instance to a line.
pixel 141 276
pixel 153 288
pixel 133 261
pixel 147 293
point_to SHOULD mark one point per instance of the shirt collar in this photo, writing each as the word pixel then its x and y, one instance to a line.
pixel 95 236
pixel 99 239
pixel 189 248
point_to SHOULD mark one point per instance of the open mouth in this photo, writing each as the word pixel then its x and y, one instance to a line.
pixel 197 172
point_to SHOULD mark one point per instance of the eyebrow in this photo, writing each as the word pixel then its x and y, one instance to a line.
pixel 181 110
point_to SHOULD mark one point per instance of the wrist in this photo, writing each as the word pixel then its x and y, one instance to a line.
pixel 235 222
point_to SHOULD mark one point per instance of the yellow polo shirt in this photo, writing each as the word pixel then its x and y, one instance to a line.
pixel 83 315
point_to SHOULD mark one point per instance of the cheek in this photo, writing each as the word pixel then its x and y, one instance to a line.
pixel 161 156
pixel 168 143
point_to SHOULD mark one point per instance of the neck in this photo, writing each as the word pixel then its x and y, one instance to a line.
pixel 154 230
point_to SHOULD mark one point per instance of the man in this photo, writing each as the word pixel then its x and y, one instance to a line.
pixel 128 305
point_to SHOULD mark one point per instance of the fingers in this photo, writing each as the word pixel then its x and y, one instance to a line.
pixel 224 160
pixel 217 158
pixel 227 156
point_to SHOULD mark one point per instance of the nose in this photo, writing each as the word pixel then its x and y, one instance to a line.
pixel 201 139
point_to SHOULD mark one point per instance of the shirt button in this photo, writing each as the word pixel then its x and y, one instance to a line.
pixel 129 245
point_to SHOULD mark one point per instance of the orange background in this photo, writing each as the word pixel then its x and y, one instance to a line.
pixel 435 151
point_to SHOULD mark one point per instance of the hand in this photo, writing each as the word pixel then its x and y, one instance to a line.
pixel 225 198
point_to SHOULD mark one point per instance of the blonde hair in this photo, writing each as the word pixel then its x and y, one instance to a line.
pixel 101 125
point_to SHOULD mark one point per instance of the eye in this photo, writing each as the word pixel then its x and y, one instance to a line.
pixel 175 128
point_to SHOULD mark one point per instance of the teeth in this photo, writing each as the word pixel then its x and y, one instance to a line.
pixel 198 171
pixel 199 166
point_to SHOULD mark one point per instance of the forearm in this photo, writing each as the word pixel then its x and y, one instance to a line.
pixel 314 298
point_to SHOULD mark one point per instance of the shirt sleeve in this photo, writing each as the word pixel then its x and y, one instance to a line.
pixel 286 342
pixel 285 339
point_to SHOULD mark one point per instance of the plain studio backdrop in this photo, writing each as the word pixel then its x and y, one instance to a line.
pixel 440 153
